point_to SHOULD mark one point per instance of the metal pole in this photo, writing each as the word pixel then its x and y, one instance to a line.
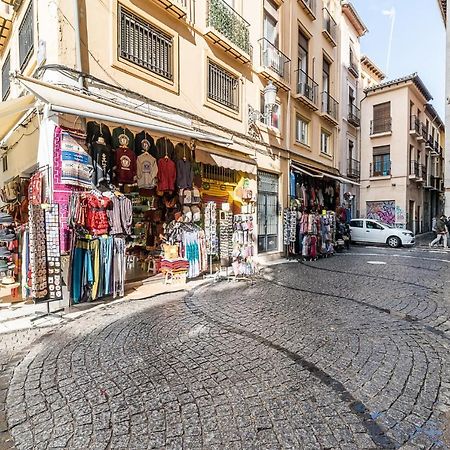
pixel 76 27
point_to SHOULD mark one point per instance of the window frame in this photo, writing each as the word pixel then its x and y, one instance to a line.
pixel 29 13
pixel 324 132
pixel 361 222
pixel 299 118
pixel 235 110
pixel 151 27
pixel 6 61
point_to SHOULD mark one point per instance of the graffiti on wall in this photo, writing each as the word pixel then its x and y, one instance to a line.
pixel 383 211
pixel 400 215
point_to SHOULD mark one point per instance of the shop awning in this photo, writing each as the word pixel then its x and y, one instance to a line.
pixel 239 163
pixel 11 111
pixel 67 101
pixel 315 173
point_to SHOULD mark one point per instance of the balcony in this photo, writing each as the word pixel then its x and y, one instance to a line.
pixel 309 6
pixel 330 108
pixel 275 64
pixel 353 168
pixel 353 67
pixel 227 29
pixel 380 169
pixel 423 136
pixel 429 143
pixel 176 7
pixel 307 90
pixel 381 126
pixel 436 183
pixel 354 115
pixel 436 151
pixel 413 170
pixel 329 28
pixel 414 126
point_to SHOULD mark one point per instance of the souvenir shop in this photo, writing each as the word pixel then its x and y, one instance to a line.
pixel 310 220
pixel 116 205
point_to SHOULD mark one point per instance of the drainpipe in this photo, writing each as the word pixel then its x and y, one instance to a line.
pixel 76 27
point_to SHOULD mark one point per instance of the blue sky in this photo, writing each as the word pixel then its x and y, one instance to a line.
pixel 418 43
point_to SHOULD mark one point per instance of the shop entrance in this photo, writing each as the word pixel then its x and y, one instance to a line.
pixel 267 212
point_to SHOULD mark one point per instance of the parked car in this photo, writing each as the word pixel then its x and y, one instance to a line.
pixel 372 231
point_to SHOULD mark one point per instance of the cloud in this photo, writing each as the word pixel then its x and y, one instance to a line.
pixel 388 12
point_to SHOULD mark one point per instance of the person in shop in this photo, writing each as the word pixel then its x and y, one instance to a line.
pixel 441 231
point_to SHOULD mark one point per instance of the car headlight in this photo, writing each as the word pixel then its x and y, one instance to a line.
pixel 405 233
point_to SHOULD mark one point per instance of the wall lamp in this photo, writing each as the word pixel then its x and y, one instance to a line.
pixel 270 100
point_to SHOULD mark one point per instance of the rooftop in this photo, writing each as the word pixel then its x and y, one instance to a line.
pixel 436 118
pixel 409 78
pixel 350 12
pixel 367 62
pixel 443 7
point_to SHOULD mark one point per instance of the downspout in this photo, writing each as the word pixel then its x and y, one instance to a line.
pixel 76 28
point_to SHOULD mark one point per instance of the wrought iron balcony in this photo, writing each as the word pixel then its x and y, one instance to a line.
pixel 307 88
pixel 176 7
pixel 354 115
pixel 330 106
pixel 436 148
pixel 414 125
pixel 382 125
pixel 429 142
pixel 353 66
pixel 224 22
pixel 380 169
pixel 353 168
pixel 329 27
pixel 424 132
pixel 309 6
pixel 274 59
pixel 413 169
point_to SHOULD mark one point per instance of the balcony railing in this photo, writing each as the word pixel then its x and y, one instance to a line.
pixel 429 142
pixel 354 115
pixel 223 18
pixel 382 125
pixel 414 168
pixel 309 6
pixel 424 131
pixel 353 168
pixel 380 169
pixel 353 66
pixel 436 147
pixel 414 124
pixel 306 86
pixel 329 105
pixel 329 26
pixel 274 59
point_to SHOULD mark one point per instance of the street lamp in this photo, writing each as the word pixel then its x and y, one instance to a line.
pixel 270 101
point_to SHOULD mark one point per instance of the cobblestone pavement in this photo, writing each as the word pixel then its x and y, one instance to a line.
pixel 338 353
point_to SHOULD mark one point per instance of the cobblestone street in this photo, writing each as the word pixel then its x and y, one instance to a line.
pixel 349 352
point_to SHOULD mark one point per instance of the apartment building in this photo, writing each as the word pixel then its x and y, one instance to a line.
pixel 443 6
pixel 352 28
pixel 401 140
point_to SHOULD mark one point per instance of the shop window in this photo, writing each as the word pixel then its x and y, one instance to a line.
pixel 5 163
pixel 325 142
pixel 302 130
pixel 271 120
pixel 223 87
pixel 26 37
pixel 145 45
pixel 267 212
pixel 5 77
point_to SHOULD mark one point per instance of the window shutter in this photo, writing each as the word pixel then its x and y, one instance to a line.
pixel 382 111
pixel 382 150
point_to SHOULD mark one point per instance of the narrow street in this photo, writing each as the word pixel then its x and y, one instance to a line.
pixel 349 352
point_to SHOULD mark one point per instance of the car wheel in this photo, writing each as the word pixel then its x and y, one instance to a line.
pixel 394 242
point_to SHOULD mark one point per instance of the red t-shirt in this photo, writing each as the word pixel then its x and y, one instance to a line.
pixel 96 218
pixel 126 167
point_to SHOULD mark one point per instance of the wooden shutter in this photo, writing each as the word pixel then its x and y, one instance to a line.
pixel 382 111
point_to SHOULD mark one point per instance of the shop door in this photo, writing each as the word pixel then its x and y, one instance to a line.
pixel 267 212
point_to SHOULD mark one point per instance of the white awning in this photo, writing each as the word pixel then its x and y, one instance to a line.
pixel 316 173
pixel 241 164
pixel 11 111
pixel 68 101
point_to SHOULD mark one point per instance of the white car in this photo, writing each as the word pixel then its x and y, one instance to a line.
pixel 372 231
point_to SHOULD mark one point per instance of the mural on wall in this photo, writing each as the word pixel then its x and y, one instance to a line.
pixel 383 211
pixel 400 215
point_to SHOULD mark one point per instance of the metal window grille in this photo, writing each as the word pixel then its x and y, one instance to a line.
pixel 145 45
pixel 5 77
pixel 221 174
pixel 223 87
pixel 26 37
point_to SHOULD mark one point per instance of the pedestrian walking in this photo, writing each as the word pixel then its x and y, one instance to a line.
pixel 441 231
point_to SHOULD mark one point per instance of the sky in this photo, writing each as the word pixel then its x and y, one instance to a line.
pixel 418 41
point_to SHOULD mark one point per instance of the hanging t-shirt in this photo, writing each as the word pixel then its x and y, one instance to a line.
pixel 116 135
pixel 139 139
pixel 95 130
pixel 167 174
pixel 125 165
pixel 103 162
pixel 147 171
